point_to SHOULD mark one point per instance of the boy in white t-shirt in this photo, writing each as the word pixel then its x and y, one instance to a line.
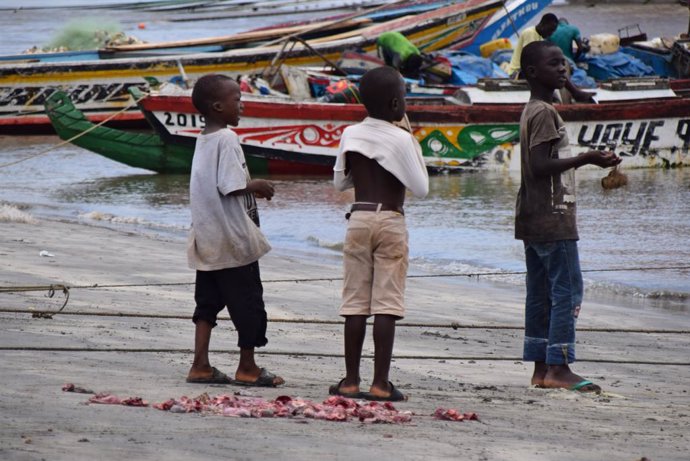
pixel 225 242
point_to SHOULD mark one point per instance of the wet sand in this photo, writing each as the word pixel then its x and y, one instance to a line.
pixel 643 412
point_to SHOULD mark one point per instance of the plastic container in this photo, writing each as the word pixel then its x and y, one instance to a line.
pixel 487 49
pixel 604 43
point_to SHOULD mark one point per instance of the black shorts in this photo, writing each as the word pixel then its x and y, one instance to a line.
pixel 240 290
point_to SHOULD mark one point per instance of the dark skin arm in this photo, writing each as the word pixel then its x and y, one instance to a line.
pixel 372 182
pixel 578 94
pixel 543 165
pixel 259 187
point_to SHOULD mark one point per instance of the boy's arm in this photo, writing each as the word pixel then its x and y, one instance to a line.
pixel 542 164
pixel 259 187
pixel 342 179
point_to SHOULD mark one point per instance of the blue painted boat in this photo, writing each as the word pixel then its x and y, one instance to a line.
pixel 503 25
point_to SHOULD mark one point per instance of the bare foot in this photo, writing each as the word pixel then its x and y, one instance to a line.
pixel 560 376
pixel 200 372
pixel 260 376
pixel 540 369
pixel 207 375
pixel 345 388
pixel 390 394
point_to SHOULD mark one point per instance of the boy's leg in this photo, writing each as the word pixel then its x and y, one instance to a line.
pixel 201 367
pixel 208 304
pixel 537 312
pixel 384 337
pixel 356 297
pixel 565 279
pixel 243 294
pixel 355 331
pixel 388 297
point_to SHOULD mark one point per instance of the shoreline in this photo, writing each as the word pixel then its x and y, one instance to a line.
pixel 474 368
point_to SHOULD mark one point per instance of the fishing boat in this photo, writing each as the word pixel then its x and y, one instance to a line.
pixel 644 121
pixel 99 87
pixel 506 22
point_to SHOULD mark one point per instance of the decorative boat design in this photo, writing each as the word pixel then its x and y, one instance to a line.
pixel 648 126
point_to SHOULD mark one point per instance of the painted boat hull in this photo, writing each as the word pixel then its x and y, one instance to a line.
pixel 649 133
pixel 102 86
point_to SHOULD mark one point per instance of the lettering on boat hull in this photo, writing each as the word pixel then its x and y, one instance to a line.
pixel 636 138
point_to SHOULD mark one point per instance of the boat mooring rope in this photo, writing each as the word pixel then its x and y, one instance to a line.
pixel 76 136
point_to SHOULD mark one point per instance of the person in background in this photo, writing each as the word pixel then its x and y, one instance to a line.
pixel 542 31
pixel 398 52
pixel 545 220
pixel 564 36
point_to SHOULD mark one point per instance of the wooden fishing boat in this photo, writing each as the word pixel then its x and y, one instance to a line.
pixel 507 21
pixel 647 124
pixel 99 88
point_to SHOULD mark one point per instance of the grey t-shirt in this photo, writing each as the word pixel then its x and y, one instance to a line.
pixel 545 209
pixel 225 228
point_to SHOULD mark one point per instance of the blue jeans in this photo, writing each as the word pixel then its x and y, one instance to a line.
pixel 554 296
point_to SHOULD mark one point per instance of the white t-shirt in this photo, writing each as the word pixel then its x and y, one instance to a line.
pixel 225 228
pixel 396 150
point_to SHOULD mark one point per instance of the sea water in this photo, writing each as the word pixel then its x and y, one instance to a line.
pixel 630 237
pixel 464 226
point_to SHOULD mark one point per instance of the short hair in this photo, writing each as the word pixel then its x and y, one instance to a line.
pixel 378 87
pixel 533 52
pixel 549 17
pixel 206 91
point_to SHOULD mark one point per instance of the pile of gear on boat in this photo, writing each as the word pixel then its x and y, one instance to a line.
pixel 601 57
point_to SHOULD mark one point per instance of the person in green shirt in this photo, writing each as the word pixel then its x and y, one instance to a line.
pixel 564 36
pixel 398 52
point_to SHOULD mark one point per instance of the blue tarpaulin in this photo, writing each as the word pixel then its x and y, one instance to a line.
pixel 616 65
pixel 468 68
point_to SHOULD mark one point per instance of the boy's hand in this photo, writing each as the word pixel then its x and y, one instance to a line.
pixel 261 188
pixel 603 158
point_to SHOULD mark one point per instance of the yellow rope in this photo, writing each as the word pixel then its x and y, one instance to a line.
pixel 76 136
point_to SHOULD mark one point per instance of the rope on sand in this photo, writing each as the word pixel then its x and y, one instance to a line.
pixel 9 289
pixel 453 325
pixel 66 291
pixel 320 354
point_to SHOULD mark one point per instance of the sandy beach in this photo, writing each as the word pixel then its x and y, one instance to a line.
pixel 96 343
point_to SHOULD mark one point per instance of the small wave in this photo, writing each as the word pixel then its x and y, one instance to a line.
pixel 99 216
pixel 621 289
pixel 10 213
pixel 134 220
pixel 464 270
pixel 335 246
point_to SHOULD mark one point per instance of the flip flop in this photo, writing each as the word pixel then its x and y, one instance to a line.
pixel 217 377
pixel 335 390
pixel 394 396
pixel 580 387
pixel 265 379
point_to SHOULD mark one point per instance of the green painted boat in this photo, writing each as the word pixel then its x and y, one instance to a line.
pixel 139 150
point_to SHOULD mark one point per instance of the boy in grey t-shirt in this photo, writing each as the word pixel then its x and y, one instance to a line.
pixel 545 222
pixel 225 242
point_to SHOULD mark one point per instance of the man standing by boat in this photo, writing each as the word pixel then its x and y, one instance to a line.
pixel 564 36
pixel 542 31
